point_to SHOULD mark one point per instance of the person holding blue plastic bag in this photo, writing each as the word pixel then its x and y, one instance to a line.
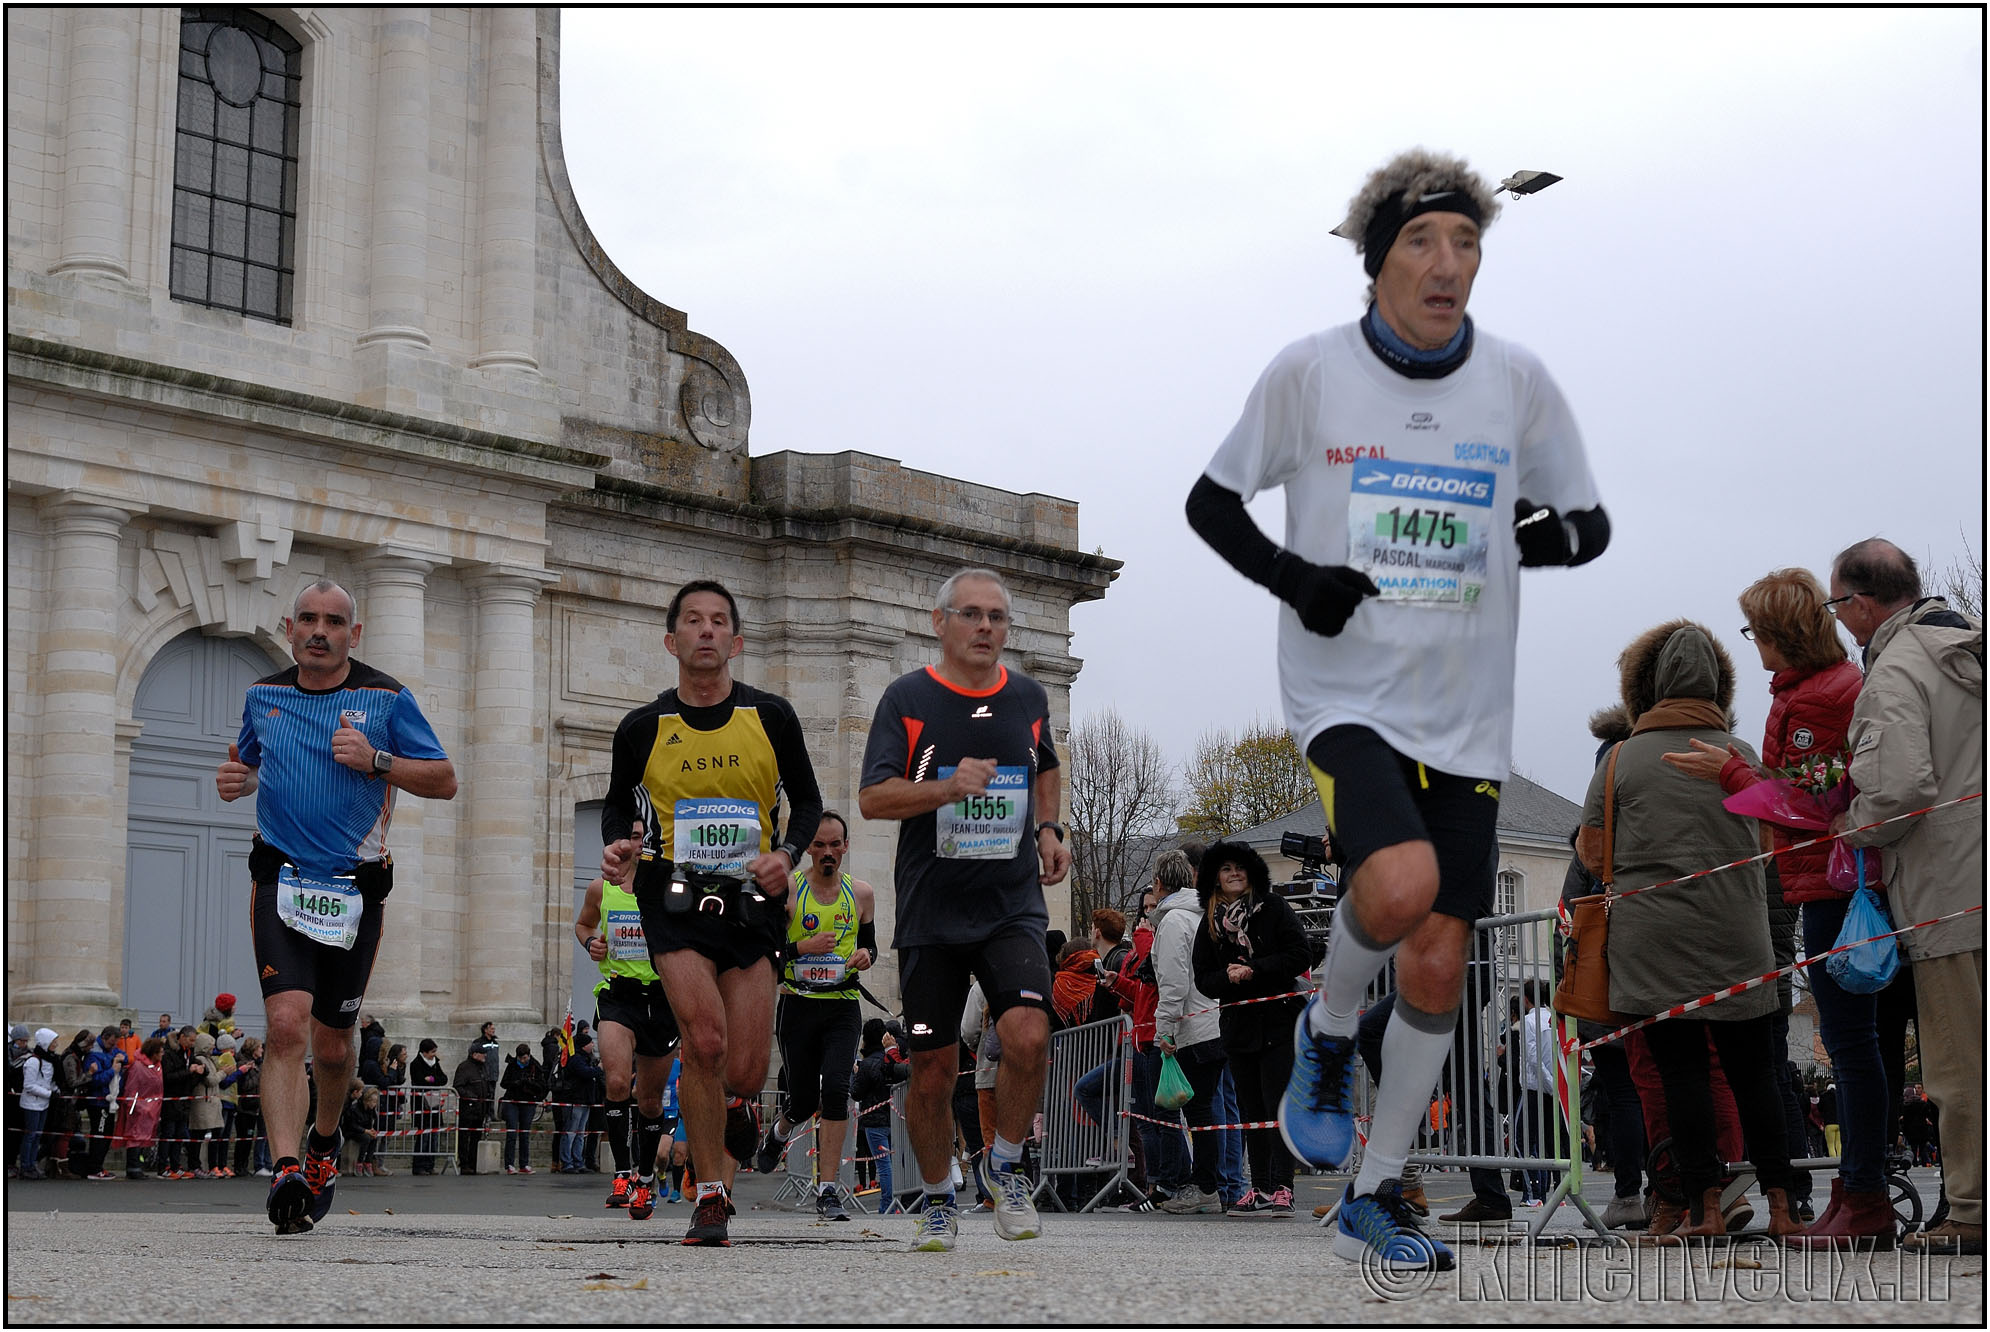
pixel 1917 742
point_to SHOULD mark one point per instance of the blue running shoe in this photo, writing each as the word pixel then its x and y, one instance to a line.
pixel 1380 1227
pixel 290 1201
pixel 1316 1114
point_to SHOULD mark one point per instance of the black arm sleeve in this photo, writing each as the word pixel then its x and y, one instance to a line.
pixel 1218 516
pixel 625 773
pixel 784 732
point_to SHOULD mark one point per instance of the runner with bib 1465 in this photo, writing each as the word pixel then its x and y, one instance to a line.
pixel 324 747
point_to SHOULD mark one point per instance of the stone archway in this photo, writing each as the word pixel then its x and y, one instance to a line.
pixel 186 917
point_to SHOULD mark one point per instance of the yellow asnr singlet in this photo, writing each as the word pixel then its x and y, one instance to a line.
pixel 714 792
pixel 806 977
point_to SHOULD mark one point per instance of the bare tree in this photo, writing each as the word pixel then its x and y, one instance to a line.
pixel 1239 781
pixel 1962 582
pixel 1120 803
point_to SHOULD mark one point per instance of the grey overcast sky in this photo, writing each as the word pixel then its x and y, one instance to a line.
pixel 1051 250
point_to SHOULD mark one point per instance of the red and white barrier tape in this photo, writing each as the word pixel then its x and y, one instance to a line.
pixel 1570 1045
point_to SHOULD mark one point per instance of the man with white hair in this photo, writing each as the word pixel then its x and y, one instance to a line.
pixel 1424 464
pixel 1917 741
pixel 325 746
pixel 961 754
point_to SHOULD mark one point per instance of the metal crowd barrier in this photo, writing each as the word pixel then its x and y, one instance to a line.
pixel 905 1176
pixel 1075 1142
pixel 1487 1118
pixel 424 1124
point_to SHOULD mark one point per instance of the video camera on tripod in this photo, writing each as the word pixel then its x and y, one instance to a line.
pixel 1313 892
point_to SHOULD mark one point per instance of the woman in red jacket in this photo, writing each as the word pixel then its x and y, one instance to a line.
pixel 1812 690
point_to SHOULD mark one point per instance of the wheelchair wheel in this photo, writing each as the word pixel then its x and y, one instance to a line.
pixel 1906 1201
pixel 1663 1173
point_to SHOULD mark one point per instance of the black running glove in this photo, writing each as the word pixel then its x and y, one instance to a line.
pixel 1553 539
pixel 1543 541
pixel 1324 595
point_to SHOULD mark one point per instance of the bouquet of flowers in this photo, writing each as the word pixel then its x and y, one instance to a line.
pixel 1806 795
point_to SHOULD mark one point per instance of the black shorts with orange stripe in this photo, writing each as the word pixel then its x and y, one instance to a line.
pixel 286 961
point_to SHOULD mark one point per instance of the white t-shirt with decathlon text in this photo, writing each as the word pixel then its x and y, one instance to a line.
pixel 1412 481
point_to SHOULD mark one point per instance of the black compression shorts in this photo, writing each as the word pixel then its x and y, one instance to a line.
pixel 818 1039
pixel 933 979
pixel 627 1002
pixel 335 978
pixel 1376 797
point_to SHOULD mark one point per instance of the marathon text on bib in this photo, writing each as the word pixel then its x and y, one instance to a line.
pixel 324 910
pixel 625 936
pixel 716 834
pixel 987 826
pixel 1421 531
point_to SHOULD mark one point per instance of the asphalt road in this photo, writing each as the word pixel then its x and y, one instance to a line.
pixel 517 1249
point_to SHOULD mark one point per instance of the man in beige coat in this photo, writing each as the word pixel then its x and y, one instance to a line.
pixel 1917 740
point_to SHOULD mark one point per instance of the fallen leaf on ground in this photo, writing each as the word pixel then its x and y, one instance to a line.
pixel 641 1283
pixel 601 1276
pixel 1738 1262
pixel 1003 1271
pixel 388 1210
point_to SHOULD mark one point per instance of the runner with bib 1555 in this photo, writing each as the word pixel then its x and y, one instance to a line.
pixel 961 754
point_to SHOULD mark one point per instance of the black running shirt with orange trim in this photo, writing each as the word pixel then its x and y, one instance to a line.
pixel 969 869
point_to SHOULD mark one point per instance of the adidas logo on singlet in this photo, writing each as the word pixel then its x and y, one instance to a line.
pixel 674 738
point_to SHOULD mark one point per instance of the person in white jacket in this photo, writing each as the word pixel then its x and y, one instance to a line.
pixel 37 1087
pixel 1186 1025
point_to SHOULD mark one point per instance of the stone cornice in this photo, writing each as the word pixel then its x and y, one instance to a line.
pixel 41 363
pixel 1089 575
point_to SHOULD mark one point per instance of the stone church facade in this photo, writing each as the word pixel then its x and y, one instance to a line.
pixel 303 292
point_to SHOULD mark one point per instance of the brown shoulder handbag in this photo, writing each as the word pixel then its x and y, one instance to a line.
pixel 1584 990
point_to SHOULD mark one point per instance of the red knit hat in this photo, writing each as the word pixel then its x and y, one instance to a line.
pixel 225 1002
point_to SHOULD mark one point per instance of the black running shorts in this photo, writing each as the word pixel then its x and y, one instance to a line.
pixel 335 978
pixel 1376 797
pixel 933 979
pixel 731 945
pixel 627 1002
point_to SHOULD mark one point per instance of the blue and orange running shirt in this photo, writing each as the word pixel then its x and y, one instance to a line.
pixel 326 817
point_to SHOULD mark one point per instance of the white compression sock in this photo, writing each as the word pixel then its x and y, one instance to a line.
pixel 1414 1047
pixel 1353 960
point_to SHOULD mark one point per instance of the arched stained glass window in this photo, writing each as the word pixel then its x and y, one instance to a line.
pixel 235 163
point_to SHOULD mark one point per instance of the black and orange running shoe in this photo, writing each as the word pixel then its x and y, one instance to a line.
pixel 321 1173
pixel 708 1223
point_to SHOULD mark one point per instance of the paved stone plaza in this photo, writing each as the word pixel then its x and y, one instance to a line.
pixel 517 1250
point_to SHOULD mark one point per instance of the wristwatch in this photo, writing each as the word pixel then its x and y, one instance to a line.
pixel 383 762
pixel 1056 827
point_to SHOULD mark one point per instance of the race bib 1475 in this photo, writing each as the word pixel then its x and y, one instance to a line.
pixel 1421 531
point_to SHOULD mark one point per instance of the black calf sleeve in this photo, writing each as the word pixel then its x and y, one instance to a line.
pixel 616 1129
pixel 649 1136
